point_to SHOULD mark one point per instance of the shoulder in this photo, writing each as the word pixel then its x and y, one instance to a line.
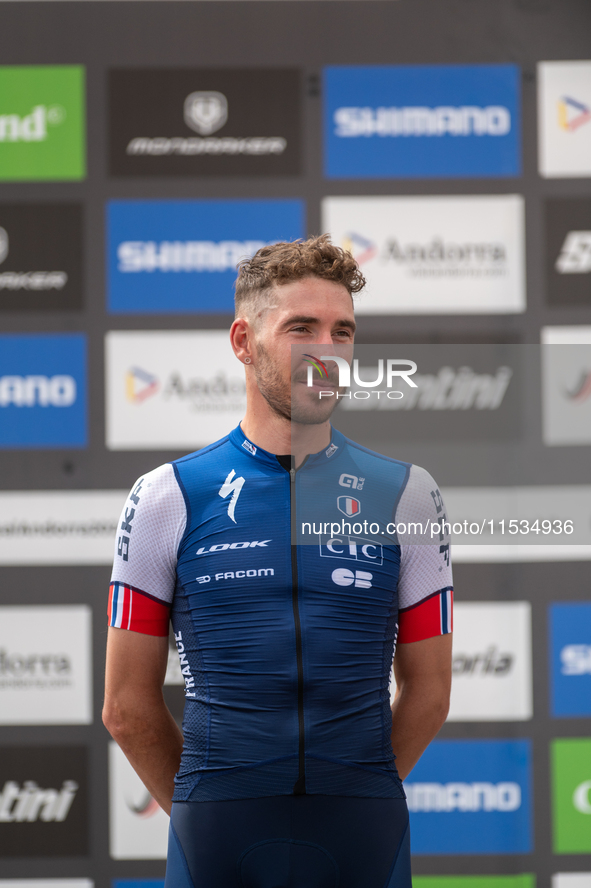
pixel 421 497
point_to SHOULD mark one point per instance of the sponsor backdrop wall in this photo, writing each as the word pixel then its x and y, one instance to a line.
pixel 145 148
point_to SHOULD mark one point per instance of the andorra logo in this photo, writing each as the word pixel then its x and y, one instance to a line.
pixel 206 112
pixel 360 247
pixel 572 114
pixel 139 385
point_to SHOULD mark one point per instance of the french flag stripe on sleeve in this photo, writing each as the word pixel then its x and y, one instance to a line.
pixel 431 617
pixel 133 609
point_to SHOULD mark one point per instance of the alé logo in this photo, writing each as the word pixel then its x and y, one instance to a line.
pixel 387 371
pixel 572 114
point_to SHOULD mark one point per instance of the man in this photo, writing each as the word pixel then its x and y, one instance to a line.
pixel 286 774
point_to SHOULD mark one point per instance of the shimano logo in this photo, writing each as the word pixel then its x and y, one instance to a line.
pixel 466 120
pixel 183 256
pixel 37 391
pixel 447 797
pixel 30 803
pixel 491 662
pixel 32 127
pixel 575 256
pixel 576 659
pixel 223 547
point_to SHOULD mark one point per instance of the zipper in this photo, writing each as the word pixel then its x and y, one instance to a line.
pixel 300 784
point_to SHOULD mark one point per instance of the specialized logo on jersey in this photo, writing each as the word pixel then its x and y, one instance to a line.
pixel 348 505
pixel 343 577
pixel 572 114
pixel 231 486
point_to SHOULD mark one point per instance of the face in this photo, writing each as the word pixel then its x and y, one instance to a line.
pixel 315 316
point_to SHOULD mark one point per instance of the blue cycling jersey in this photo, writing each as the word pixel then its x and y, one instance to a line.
pixel 286 649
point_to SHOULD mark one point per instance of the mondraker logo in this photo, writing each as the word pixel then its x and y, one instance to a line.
pixel 3 244
pixel 139 385
pixel 575 255
pixel 572 114
pixel 206 112
pixel 582 390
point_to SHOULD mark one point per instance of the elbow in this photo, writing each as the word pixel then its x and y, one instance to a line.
pixel 115 719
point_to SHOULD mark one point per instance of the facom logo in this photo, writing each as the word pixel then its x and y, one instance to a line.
pixel 37 391
pixel 30 803
pixel 575 255
pixel 466 120
pixel 582 390
pixel 184 256
pixel 447 797
pixel 572 114
pixel 139 385
pixel 33 126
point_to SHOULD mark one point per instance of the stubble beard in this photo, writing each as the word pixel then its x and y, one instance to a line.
pixel 277 392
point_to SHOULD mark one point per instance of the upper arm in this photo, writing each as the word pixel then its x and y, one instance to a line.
pixel 136 665
pixel 426 662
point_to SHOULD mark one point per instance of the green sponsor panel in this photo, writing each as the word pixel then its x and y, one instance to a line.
pixel 42 123
pixel 525 880
pixel 571 787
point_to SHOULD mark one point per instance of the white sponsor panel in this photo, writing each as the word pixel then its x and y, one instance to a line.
pixel 531 541
pixel 138 825
pixel 571 880
pixel 564 118
pixel 492 663
pixel 434 255
pixel 171 389
pixel 566 385
pixel 45 665
pixel 46 883
pixel 59 526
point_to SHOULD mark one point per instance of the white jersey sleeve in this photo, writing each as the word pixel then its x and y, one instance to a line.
pixel 425 584
pixel 149 533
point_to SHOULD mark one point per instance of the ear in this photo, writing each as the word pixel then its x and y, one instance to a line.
pixel 242 340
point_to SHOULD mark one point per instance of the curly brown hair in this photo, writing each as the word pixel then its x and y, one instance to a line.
pixel 283 263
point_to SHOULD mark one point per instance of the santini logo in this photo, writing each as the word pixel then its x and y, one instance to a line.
pixel 466 120
pixel 179 256
pixel 37 391
pixel 32 127
pixel 575 255
pixel 31 803
pixel 447 797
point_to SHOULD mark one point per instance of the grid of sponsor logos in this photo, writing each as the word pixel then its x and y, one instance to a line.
pixel 420 171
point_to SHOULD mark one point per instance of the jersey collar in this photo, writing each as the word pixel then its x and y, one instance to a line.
pixel 328 454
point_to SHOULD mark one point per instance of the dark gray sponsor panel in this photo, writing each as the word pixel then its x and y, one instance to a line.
pixel 44 801
pixel 205 121
pixel 568 251
pixel 41 257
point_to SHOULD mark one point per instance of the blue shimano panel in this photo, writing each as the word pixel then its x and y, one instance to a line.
pixel 180 256
pixel 570 659
pixel 43 390
pixel 422 121
pixel 471 797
